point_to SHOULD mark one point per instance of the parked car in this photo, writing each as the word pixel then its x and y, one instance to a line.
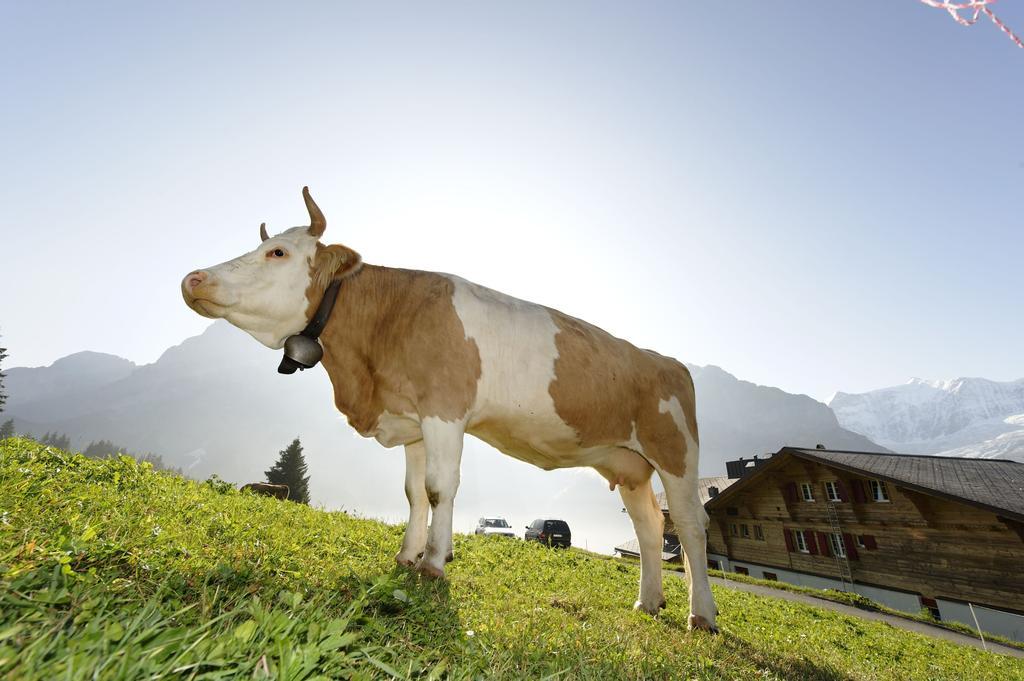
pixel 498 526
pixel 549 531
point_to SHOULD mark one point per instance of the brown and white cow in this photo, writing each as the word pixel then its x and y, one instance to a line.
pixel 419 359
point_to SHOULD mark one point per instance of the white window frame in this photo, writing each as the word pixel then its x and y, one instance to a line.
pixel 835 542
pixel 832 491
pixel 800 541
pixel 758 532
pixel 859 540
pixel 745 531
pixel 879 492
pixel 807 491
pixel 734 530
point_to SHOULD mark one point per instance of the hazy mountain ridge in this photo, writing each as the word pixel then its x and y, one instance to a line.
pixel 80 372
pixel 216 404
pixel 739 418
pixel 958 417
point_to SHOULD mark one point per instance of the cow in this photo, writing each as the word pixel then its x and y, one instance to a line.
pixel 266 489
pixel 420 359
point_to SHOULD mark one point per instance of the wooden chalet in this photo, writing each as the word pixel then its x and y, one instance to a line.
pixel 912 532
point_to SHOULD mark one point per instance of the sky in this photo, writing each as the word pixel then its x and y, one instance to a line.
pixel 814 196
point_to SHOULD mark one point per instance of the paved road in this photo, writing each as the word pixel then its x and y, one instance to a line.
pixel 898 622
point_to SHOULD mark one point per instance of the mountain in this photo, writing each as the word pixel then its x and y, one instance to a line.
pixel 80 372
pixel 959 417
pixel 738 418
pixel 216 404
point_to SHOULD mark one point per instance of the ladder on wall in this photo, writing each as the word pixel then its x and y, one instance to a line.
pixel 842 562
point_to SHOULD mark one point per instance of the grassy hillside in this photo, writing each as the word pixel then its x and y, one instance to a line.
pixel 110 570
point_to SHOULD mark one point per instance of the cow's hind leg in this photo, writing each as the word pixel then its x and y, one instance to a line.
pixel 690 522
pixel 649 524
pixel 416 492
pixel 443 443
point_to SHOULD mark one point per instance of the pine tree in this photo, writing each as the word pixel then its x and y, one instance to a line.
pixel 7 429
pixel 290 470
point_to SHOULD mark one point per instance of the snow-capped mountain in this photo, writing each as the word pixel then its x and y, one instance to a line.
pixel 959 417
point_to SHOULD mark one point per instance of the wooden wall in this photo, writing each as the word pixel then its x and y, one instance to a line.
pixel 923 544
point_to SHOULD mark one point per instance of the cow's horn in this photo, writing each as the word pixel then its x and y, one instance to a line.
pixel 263 231
pixel 317 222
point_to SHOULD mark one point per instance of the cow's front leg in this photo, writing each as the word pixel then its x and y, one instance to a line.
pixel 443 443
pixel 416 492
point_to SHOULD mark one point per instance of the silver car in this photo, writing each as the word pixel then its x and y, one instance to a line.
pixel 498 526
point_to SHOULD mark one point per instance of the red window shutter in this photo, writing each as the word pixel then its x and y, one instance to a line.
pixel 790 493
pixel 858 491
pixel 851 546
pixel 823 544
pixel 788 534
pixel 869 542
pixel 812 546
pixel 841 491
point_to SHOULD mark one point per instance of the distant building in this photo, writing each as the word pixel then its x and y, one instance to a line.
pixel 744 467
pixel 907 531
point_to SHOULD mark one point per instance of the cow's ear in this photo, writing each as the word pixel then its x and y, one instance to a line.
pixel 317 221
pixel 333 262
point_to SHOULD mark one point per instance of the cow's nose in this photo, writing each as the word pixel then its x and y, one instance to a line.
pixel 193 279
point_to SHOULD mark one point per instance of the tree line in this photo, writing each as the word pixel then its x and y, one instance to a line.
pixel 99 449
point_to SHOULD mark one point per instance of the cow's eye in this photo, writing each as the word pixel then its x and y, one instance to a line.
pixel 276 253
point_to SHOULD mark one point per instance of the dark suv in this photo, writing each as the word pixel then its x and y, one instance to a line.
pixel 550 532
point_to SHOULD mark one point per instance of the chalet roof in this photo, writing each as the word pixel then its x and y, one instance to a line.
pixel 632 548
pixel 703 488
pixel 997 485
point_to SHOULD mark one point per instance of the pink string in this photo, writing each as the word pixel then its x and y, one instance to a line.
pixel 979 7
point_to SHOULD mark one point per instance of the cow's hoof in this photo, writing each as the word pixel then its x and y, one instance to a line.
pixel 429 571
pixel 698 622
pixel 404 561
pixel 650 609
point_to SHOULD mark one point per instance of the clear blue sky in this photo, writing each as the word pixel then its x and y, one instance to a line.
pixel 816 196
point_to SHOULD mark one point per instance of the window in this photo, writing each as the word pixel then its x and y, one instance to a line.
pixel 556 526
pixel 714 564
pixel 801 542
pixel 807 490
pixel 771 576
pixel 745 531
pixel 835 542
pixel 740 570
pixel 878 490
pixel 758 533
pixel 860 541
pixel 733 530
pixel 832 491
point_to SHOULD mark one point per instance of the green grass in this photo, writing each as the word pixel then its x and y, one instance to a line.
pixel 109 570
pixel 847 598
